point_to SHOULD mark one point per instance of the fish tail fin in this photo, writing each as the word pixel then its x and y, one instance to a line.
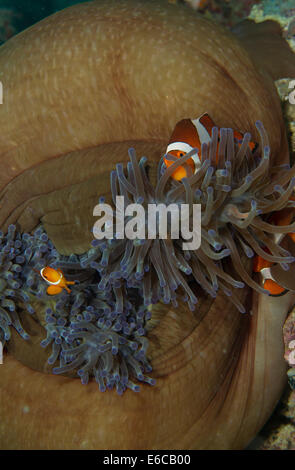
pixel 267 48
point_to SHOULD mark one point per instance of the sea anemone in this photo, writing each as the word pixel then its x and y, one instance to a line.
pixel 20 256
pixel 219 374
pixel 97 341
pixel 236 195
pixel 92 333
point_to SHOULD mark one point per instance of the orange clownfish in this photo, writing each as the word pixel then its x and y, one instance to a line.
pixel 56 279
pixel 192 133
pixel 262 266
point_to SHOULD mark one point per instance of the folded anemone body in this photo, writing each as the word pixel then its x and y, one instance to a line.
pixel 105 76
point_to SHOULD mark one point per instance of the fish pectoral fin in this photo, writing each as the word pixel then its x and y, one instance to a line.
pixel 70 282
pixel 53 290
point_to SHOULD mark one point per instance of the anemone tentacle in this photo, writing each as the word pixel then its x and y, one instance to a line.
pixel 235 199
pixel 91 333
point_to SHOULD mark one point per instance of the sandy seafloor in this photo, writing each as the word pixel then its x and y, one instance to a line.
pixel 16 15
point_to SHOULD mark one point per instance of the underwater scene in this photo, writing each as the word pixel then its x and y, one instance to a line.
pixel 147 225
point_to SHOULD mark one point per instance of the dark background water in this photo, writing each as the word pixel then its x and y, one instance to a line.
pixel 23 13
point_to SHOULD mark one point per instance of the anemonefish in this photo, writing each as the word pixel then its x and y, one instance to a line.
pixel 189 134
pixel 262 266
pixel 56 279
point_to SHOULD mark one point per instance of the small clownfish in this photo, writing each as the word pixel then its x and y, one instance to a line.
pixel 192 133
pixel 262 266
pixel 56 279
